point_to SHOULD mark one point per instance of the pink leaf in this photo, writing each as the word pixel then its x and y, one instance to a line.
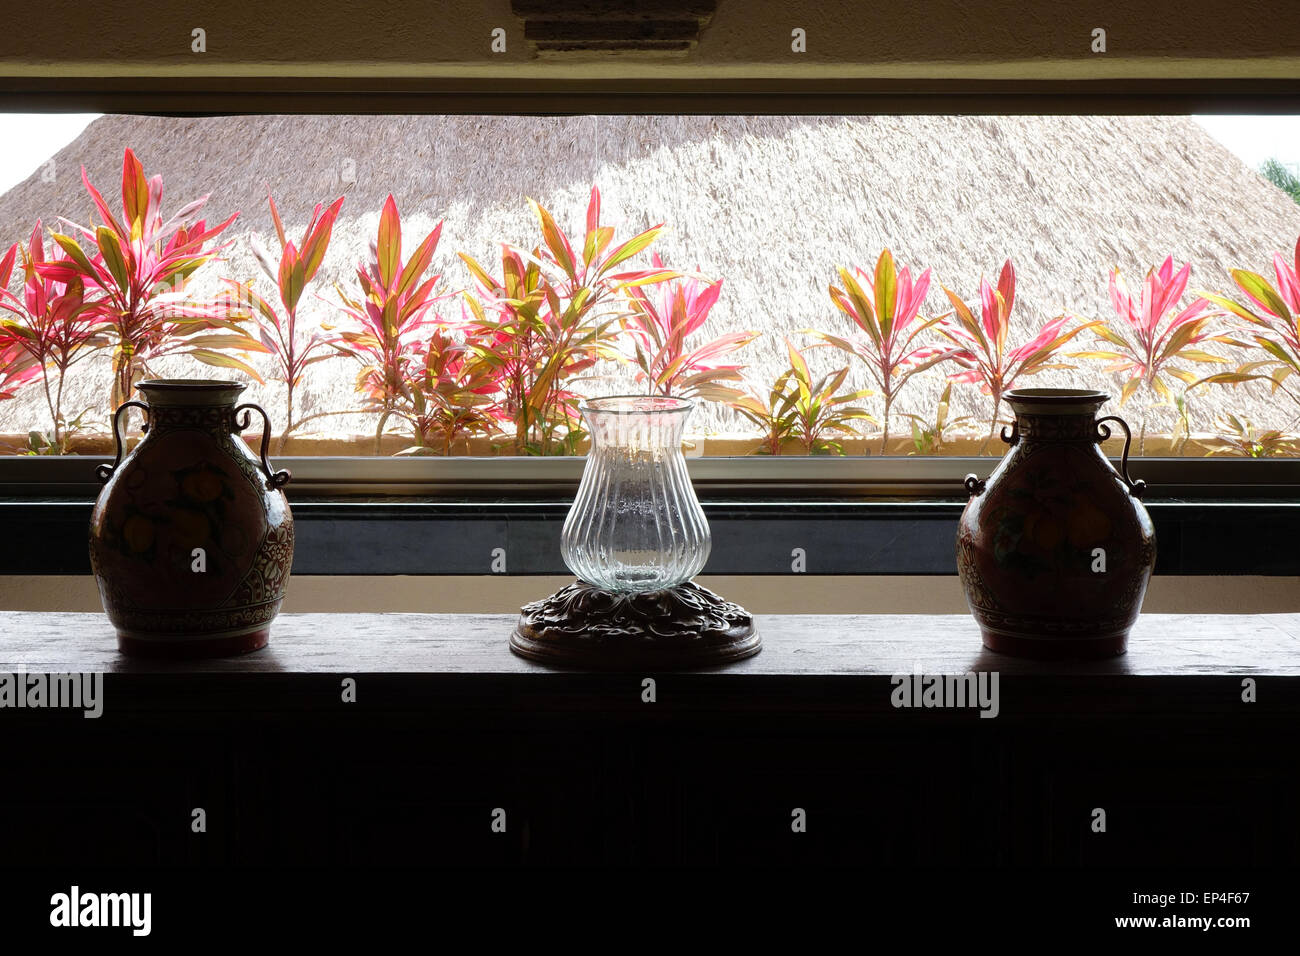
pixel 1007 285
pixel 593 212
pixel 1045 336
pixel 1287 282
pixel 989 309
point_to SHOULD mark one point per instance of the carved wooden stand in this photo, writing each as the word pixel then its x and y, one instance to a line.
pixel 588 627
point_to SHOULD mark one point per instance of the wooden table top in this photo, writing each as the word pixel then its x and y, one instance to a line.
pixel 1162 645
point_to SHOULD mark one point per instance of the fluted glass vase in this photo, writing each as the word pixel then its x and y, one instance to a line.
pixel 635 524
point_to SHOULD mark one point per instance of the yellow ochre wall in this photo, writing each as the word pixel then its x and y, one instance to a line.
pixel 762 594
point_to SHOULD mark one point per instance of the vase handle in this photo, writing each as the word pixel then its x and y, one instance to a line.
pixel 974 485
pixel 274 479
pixel 104 472
pixel 1135 487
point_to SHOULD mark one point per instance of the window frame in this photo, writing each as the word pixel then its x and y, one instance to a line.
pixel 718 479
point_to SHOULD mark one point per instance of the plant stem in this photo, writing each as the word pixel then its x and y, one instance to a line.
pixel 45 378
pixel 121 379
pixel 884 430
pixel 521 392
pixel 1142 429
pixel 58 409
pixel 993 425
pixel 288 422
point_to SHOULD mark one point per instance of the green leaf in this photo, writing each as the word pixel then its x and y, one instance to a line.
pixel 1107 356
pixel 597 241
pixel 630 248
pixel 854 303
pixel 886 280
pixel 478 272
pixel 554 238
pixel 1273 348
pixel 218 341
pixel 222 360
pixel 1258 287
pixel 967 319
pixel 76 253
pixel 111 252
pixel 1234 307
pixel 1196 355
pixel 1181 337
pixel 797 362
pixel 652 277
pixel 388 248
pixel 292 277
pixel 1129 388
pixel 419 262
pixel 135 193
pixel 1229 378
pixel 1111 336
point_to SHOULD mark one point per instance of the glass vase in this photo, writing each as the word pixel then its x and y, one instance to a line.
pixel 635 524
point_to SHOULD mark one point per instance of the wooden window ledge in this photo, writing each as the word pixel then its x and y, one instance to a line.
pixel 808 662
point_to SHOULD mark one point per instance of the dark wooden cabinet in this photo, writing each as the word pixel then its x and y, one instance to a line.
pixel 449 729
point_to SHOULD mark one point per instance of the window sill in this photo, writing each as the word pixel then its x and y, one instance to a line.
pixel 820 661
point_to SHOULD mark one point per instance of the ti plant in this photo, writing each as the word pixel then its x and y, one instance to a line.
pixel 982 350
pixel 930 437
pixel 392 315
pixel 884 307
pixel 452 399
pixel 548 319
pixel 662 319
pixel 1151 333
pixel 1272 325
pixel 137 275
pixel 1240 437
pixel 772 412
pixel 513 338
pixel 54 326
pixel 810 411
pixel 278 327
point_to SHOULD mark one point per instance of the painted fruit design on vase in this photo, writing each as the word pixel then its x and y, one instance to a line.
pixel 1055 549
pixel 191 539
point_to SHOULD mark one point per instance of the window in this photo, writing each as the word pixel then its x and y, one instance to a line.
pixel 531 261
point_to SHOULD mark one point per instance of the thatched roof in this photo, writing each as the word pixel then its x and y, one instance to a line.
pixel 772 204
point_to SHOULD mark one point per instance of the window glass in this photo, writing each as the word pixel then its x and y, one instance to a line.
pixel 830 285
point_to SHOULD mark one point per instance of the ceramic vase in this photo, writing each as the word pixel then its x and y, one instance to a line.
pixel 191 538
pixel 1055 549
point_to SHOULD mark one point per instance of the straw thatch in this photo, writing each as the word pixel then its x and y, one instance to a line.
pixel 772 204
